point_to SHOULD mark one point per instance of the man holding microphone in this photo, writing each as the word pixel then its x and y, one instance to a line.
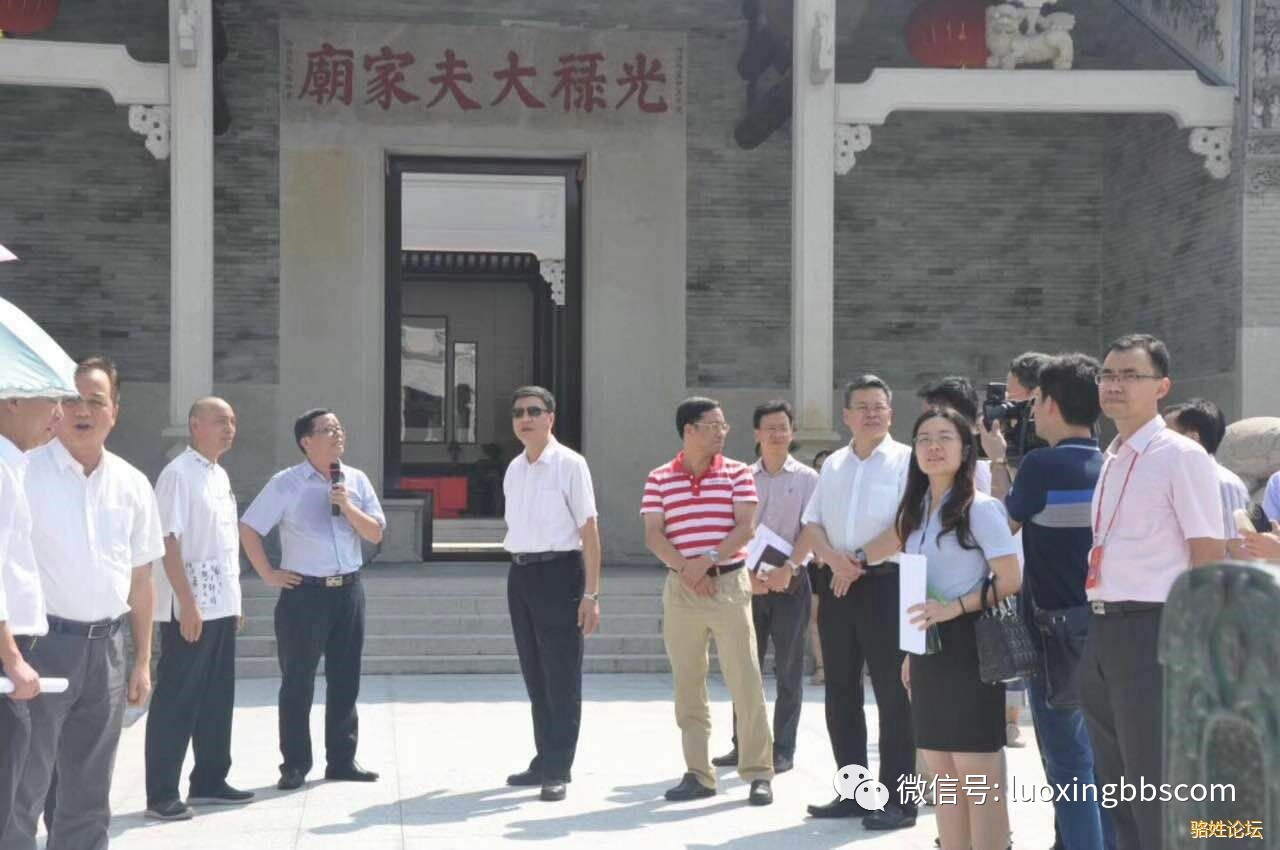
pixel 198 608
pixel 324 509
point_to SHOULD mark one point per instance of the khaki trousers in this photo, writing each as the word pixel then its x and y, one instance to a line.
pixel 688 622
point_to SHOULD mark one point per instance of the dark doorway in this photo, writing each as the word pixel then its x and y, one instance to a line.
pixel 463 329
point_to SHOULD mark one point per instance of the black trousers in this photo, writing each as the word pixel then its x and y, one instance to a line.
pixel 784 617
pixel 193 702
pixel 863 626
pixel 543 600
pixel 314 621
pixel 1122 694
pixel 15 740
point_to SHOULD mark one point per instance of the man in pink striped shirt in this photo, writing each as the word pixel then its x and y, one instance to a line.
pixel 699 513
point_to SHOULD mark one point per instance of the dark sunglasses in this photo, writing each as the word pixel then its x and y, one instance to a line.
pixel 533 410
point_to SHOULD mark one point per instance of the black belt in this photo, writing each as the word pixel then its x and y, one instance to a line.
pixel 93 631
pixel 884 568
pixel 1111 609
pixel 331 581
pixel 721 569
pixel 525 558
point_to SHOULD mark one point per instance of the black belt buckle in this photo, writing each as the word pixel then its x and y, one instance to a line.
pixel 97 631
pixel 333 581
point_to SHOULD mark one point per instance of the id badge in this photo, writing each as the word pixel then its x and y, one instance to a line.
pixel 1095 568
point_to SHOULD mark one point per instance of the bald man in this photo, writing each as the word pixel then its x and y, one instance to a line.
pixel 198 608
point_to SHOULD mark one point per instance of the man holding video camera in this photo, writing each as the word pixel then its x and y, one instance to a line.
pixel 1007 430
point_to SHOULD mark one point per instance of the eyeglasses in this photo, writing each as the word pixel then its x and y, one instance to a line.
pixel 1123 378
pixel 867 409
pixel 944 440
pixel 722 427
pixel 331 431
pixel 533 410
pixel 777 429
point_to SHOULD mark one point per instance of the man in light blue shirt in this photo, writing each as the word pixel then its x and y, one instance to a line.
pixel 324 509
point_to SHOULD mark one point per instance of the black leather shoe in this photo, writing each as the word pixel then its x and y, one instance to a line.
pixel 350 773
pixel 552 792
pixel 222 796
pixel 761 793
pixel 290 779
pixel 729 759
pixel 172 810
pixel 781 764
pixel 524 777
pixel 689 789
pixel 838 808
pixel 890 817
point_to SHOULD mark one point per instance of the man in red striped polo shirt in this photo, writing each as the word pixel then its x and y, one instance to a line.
pixel 699 513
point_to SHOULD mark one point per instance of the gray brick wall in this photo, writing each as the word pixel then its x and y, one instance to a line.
pixel 1170 248
pixel 989 224
pixel 964 240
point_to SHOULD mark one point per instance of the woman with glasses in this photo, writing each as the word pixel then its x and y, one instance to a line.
pixel 958 720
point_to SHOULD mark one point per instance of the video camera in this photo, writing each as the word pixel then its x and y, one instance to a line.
pixel 1017 422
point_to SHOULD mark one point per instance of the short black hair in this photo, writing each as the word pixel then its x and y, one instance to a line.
pixel 691 410
pixel 866 382
pixel 1202 416
pixel 775 406
pixel 1156 350
pixel 820 457
pixel 542 394
pixel 1026 368
pixel 1071 381
pixel 303 424
pixel 954 391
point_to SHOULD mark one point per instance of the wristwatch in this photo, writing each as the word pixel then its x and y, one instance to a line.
pixel 860 555
pixel 594 597
pixel 714 555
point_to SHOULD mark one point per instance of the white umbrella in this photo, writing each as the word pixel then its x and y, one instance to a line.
pixel 32 365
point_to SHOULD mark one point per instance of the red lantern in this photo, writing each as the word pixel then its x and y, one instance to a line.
pixel 949 33
pixel 23 17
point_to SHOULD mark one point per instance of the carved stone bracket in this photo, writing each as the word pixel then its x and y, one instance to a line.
pixel 1214 144
pixel 553 273
pixel 851 139
pixel 152 122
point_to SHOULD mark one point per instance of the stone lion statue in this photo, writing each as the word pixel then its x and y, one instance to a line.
pixel 1025 37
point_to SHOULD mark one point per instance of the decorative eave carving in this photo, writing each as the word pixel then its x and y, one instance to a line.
pixel 553 274
pixel 851 140
pixel 1214 144
pixel 152 122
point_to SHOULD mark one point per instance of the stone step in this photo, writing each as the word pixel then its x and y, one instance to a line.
pixel 388 625
pixel 256 668
pixel 460 604
pixel 435 645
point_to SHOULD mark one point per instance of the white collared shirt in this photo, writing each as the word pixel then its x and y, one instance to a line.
pixel 857 500
pixel 21 598
pixel 198 507
pixel 548 501
pixel 89 532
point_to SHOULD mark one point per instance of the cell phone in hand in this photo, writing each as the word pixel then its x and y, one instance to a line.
pixel 1253 519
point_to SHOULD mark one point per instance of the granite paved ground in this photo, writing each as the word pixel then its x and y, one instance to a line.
pixel 445 743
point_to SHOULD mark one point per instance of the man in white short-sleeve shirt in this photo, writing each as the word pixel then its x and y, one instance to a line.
pixel 553 587
pixel 25 423
pixel 95 532
pixel 198 608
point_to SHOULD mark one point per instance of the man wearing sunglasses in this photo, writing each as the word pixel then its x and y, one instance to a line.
pixel 553 587
pixel 325 509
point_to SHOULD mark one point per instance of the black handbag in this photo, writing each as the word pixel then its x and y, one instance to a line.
pixel 1005 650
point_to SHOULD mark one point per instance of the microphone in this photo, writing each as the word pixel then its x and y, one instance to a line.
pixel 335 475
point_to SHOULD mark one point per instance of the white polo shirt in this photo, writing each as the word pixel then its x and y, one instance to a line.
pixel 21 599
pixel 548 501
pixel 198 507
pixel 89 532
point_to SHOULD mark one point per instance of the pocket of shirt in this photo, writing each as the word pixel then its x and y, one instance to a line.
pixel 882 501
pixel 228 524
pixel 114 536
